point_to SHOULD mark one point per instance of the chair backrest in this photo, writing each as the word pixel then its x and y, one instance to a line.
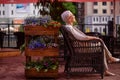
pixel 81 46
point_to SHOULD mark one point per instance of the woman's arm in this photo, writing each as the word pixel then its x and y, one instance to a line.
pixel 88 37
pixel 92 37
pixel 79 30
pixel 79 34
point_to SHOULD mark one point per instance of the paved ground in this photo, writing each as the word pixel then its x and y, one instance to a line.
pixel 12 68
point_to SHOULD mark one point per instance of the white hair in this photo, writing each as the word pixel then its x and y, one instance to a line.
pixel 65 14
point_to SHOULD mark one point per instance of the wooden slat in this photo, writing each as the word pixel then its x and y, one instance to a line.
pixel 9 53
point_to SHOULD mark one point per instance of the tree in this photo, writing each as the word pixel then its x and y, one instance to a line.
pixel 55 8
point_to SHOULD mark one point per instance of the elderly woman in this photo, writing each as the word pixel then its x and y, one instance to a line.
pixel 69 19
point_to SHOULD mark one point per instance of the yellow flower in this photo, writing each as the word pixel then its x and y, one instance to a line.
pixel 54 24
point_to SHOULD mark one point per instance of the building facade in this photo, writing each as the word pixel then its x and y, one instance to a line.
pixel 99 13
pixel 11 12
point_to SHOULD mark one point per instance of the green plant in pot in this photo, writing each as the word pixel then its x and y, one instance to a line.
pixel 44 64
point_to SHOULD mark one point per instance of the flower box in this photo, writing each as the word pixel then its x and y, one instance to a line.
pixel 42 52
pixel 31 31
pixel 39 30
pixel 29 73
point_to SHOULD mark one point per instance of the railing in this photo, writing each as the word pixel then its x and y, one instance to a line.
pixel 113 43
pixel 10 40
pixel 103 26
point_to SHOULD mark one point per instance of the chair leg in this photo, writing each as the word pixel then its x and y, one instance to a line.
pixel 102 75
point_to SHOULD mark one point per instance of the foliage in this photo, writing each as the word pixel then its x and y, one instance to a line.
pixel 41 42
pixel 70 6
pixel 45 4
pixel 37 20
pixel 45 21
pixel 44 64
pixel 21 29
pixel 54 24
pixel 36 43
pixel 22 48
pixel 55 8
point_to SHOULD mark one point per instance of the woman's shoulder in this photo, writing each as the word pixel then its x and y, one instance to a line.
pixel 68 26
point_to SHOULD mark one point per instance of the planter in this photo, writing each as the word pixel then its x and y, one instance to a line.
pixel 29 73
pixel 42 52
pixel 39 30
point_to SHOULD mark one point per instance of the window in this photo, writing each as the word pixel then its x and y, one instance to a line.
pixel 111 11
pixel 106 19
pixel 3 12
pixel 103 19
pixel 79 5
pixel 95 30
pixel 12 12
pixel 100 19
pixel 111 3
pixel 97 19
pixel 104 30
pixel 95 11
pixel 94 19
pixel 104 11
pixel 3 5
pixel 33 11
pixel 104 3
pixel 11 4
pixel 95 3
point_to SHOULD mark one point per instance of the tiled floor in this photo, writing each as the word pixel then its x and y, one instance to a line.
pixel 12 68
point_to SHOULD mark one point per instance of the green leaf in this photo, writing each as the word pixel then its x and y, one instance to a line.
pixel 54 67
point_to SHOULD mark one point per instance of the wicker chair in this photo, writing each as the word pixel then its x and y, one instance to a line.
pixel 85 56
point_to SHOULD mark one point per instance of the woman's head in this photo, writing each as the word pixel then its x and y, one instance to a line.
pixel 68 17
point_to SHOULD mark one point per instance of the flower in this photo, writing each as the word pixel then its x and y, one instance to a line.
pixel 36 42
pixel 36 20
pixel 44 64
pixel 41 42
pixel 53 23
pixel 42 21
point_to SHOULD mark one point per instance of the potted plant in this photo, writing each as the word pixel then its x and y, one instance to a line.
pixel 44 64
pixel 47 67
pixel 41 40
